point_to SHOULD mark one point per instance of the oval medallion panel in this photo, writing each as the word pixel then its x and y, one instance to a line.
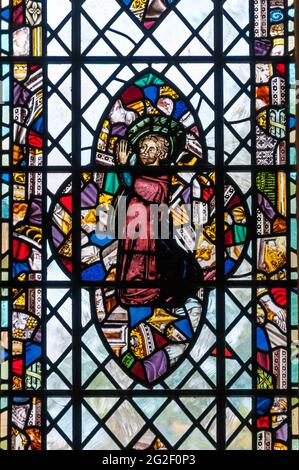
pixel 148 291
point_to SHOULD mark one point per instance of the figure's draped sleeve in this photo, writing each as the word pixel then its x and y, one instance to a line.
pixel 151 189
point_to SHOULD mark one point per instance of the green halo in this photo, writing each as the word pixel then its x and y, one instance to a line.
pixel 160 125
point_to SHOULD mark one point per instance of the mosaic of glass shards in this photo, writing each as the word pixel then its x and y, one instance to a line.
pixel 271 226
pixel 180 95
pixel 27 226
pixel 274 27
pixel 154 326
pixel 4 234
pixel 82 299
pixel 27 27
pixel 148 11
pixel 26 424
pixel 275 120
pixel 28 115
pixel 136 331
pixel 277 365
pixel 273 426
pixel 271 339
pixel 21 222
pixel 101 369
pixel 4 367
pixel 5 114
pixel 151 97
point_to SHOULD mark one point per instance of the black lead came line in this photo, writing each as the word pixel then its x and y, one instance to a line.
pixel 76 242
pixel 220 209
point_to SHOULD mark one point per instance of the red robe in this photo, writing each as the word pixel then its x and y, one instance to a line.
pixel 137 258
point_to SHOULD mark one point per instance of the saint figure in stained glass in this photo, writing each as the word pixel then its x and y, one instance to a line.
pixel 143 256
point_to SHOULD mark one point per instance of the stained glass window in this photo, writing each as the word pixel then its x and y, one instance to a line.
pixel 112 338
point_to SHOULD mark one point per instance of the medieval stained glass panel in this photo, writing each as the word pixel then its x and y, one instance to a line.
pixel 108 342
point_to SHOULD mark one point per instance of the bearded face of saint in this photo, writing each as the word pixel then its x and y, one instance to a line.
pixel 153 149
